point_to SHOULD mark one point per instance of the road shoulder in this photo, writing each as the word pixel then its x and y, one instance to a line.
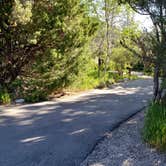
pixel 124 147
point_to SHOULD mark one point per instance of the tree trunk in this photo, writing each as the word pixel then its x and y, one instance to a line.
pixel 156 83
pixel 107 37
pixel 99 66
pixel 163 94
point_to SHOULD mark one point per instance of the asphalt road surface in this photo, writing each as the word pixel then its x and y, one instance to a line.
pixel 63 132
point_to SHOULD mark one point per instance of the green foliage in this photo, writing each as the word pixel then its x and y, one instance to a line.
pixel 133 77
pixel 30 29
pixel 153 45
pixel 139 66
pixel 84 83
pixel 87 76
pixel 48 46
pixel 122 59
pixel 42 40
pixel 154 131
pixel 5 97
pixel 35 96
pixel 31 89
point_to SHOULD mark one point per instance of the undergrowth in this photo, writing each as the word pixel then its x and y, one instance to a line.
pixel 154 131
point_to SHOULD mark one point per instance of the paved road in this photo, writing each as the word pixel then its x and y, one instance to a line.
pixel 63 132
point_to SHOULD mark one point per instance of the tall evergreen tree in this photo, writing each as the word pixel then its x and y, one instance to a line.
pixel 30 29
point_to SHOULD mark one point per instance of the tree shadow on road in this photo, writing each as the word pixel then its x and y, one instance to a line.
pixel 53 133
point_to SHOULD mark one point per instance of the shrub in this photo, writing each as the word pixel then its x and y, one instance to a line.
pixel 35 96
pixel 133 77
pixel 110 82
pixel 154 131
pixel 4 97
pixel 101 85
pixel 16 88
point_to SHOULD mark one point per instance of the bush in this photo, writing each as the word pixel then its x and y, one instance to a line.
pixel 133 77
pixel 154 131
pixel 4 97
pixel 101 85
pixel 110 81
pixel 16 88
pixel 35 96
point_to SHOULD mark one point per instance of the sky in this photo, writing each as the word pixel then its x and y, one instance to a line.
pixel 144 21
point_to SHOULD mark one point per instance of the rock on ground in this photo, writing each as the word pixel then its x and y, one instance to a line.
pixel 124 147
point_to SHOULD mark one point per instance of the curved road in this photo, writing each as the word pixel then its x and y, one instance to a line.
pixel 63 132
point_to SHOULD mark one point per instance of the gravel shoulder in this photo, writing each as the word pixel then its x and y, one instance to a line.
pixel 124 147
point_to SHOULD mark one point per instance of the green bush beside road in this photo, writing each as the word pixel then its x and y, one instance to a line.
pixel 154 131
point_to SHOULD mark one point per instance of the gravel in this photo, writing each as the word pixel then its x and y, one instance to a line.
pixel 124 147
